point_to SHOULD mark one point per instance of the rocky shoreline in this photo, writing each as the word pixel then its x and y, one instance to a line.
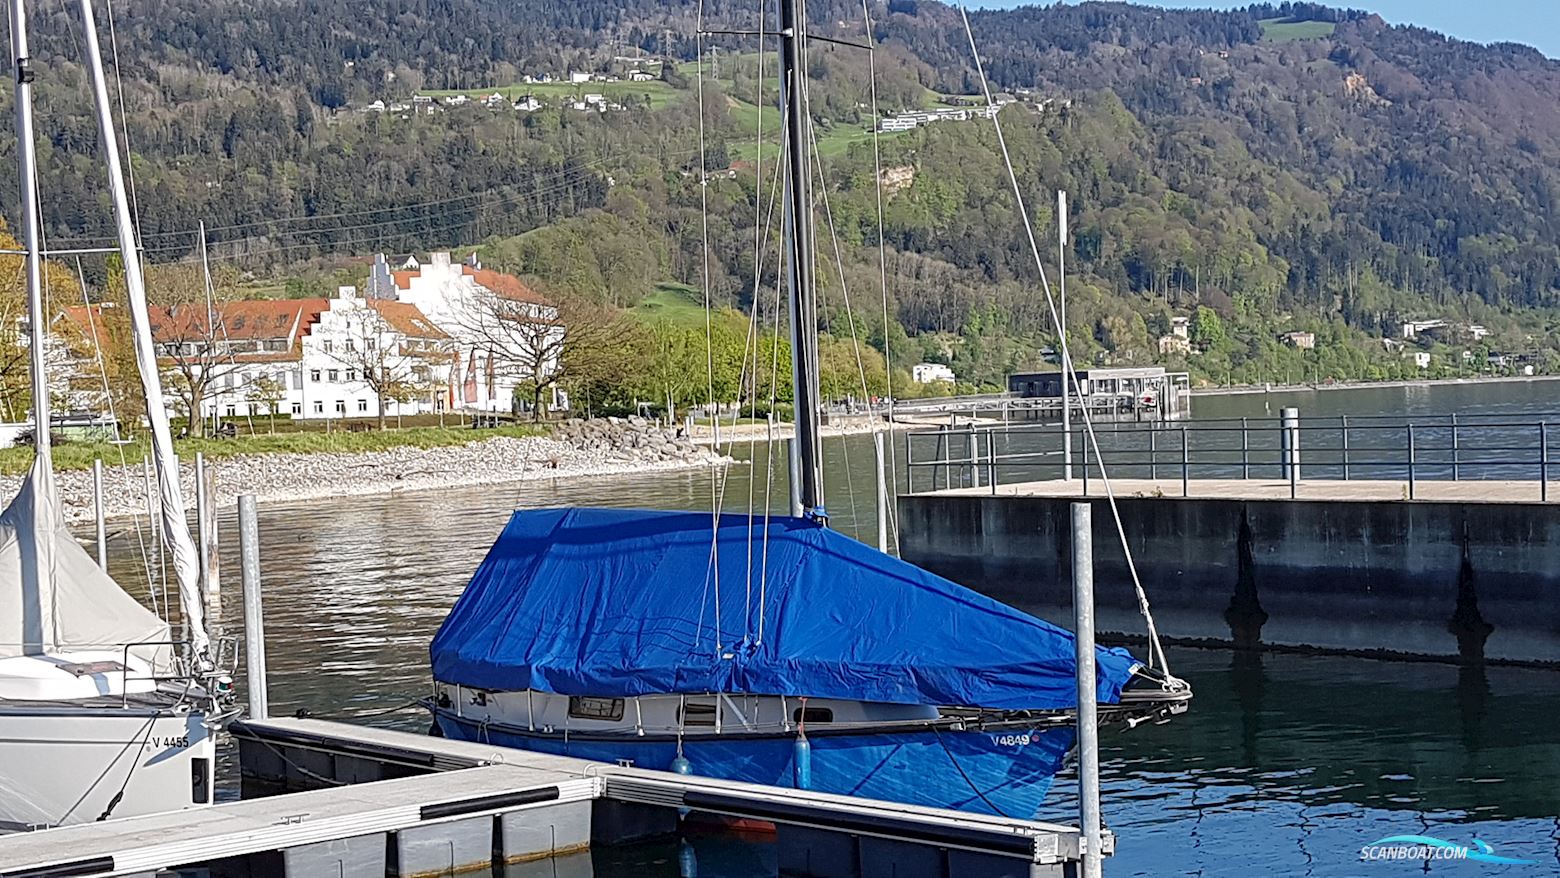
pixel 578 448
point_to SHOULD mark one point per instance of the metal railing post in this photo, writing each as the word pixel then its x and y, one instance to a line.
pixel 1245 451
pixel 1186 466
pixel 882 492
pixel 974 443
pixel 991 459
pixel 1543 462
pixel 1289 436
pixel 1086 446
pixel 99 513
pixel 1087 691
pixel 1456 453
pixel 1153 452
pixel 1343 421
pixel 254 620
pixel 1410 461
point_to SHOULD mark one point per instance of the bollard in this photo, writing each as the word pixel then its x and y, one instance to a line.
pixel 254 619
pixel 1289 435
pixel 1088 719
pixel 99 513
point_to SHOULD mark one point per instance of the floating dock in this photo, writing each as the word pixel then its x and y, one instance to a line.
pixel 373 802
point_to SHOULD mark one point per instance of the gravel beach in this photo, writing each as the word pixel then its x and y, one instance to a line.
pixel 591 448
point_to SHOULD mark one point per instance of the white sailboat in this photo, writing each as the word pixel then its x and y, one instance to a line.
pixel 103 713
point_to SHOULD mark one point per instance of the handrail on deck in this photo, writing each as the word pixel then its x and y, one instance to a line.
pixel 1442 448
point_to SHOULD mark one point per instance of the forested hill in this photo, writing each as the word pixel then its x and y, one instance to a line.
pixel 1282 166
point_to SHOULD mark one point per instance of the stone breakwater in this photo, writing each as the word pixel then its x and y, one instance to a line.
pixel 579 448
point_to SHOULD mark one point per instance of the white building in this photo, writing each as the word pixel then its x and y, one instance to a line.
pixel 306 358
pixel 929 373
pixel 504 333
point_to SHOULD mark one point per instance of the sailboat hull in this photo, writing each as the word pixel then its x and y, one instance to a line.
pixel 1006 771
pixel 73 764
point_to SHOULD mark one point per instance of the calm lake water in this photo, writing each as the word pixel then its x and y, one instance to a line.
pixel 1285 764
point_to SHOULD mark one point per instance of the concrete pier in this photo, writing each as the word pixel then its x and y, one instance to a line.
pixel 1467 570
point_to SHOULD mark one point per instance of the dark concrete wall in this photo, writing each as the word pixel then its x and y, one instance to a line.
pixel 1440 579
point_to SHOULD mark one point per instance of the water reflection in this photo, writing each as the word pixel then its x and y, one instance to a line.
pixel 1286 764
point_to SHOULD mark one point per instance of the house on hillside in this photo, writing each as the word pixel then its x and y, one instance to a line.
pixel 1299 340
pixel 505 335
pixel 527 104
pixel 930 373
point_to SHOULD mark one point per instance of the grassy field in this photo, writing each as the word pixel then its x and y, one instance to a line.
pixel 79 455
pixel 1282 30
pixel 672 303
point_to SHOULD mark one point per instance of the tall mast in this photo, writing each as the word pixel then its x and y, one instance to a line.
pixel 800 277
pixel 175 525
pixel 37 566
pixel 30 238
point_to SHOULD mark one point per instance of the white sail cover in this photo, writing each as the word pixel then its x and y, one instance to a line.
pixel 54 597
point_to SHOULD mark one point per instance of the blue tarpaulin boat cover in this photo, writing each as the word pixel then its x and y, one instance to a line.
pixel 623 602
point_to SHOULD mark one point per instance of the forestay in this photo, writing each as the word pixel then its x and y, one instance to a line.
pixel 614 602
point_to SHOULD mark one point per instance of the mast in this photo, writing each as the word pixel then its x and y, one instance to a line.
pixel 175 526
pixel 37 566
pixel 807 488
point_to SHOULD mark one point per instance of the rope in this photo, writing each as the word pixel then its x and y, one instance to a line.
pixel 970 783
pixel 1154 644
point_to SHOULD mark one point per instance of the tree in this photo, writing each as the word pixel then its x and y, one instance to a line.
pixel 1207 329
pixel 192 341
pixel 265 392
pixel 537 342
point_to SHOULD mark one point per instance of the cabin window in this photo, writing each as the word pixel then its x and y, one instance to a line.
pixel 812 715
pixel 596 708
pixel 696 714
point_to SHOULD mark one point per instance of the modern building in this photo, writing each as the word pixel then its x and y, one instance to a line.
pixel 1299 340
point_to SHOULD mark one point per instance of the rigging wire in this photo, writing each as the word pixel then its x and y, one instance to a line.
pixel 882 248
pixel 124 123
pixel 716 494
pixel 1154 644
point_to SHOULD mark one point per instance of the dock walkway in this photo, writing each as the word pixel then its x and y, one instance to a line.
pixel 378 801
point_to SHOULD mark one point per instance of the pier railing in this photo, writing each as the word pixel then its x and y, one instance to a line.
pixel 1283 446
